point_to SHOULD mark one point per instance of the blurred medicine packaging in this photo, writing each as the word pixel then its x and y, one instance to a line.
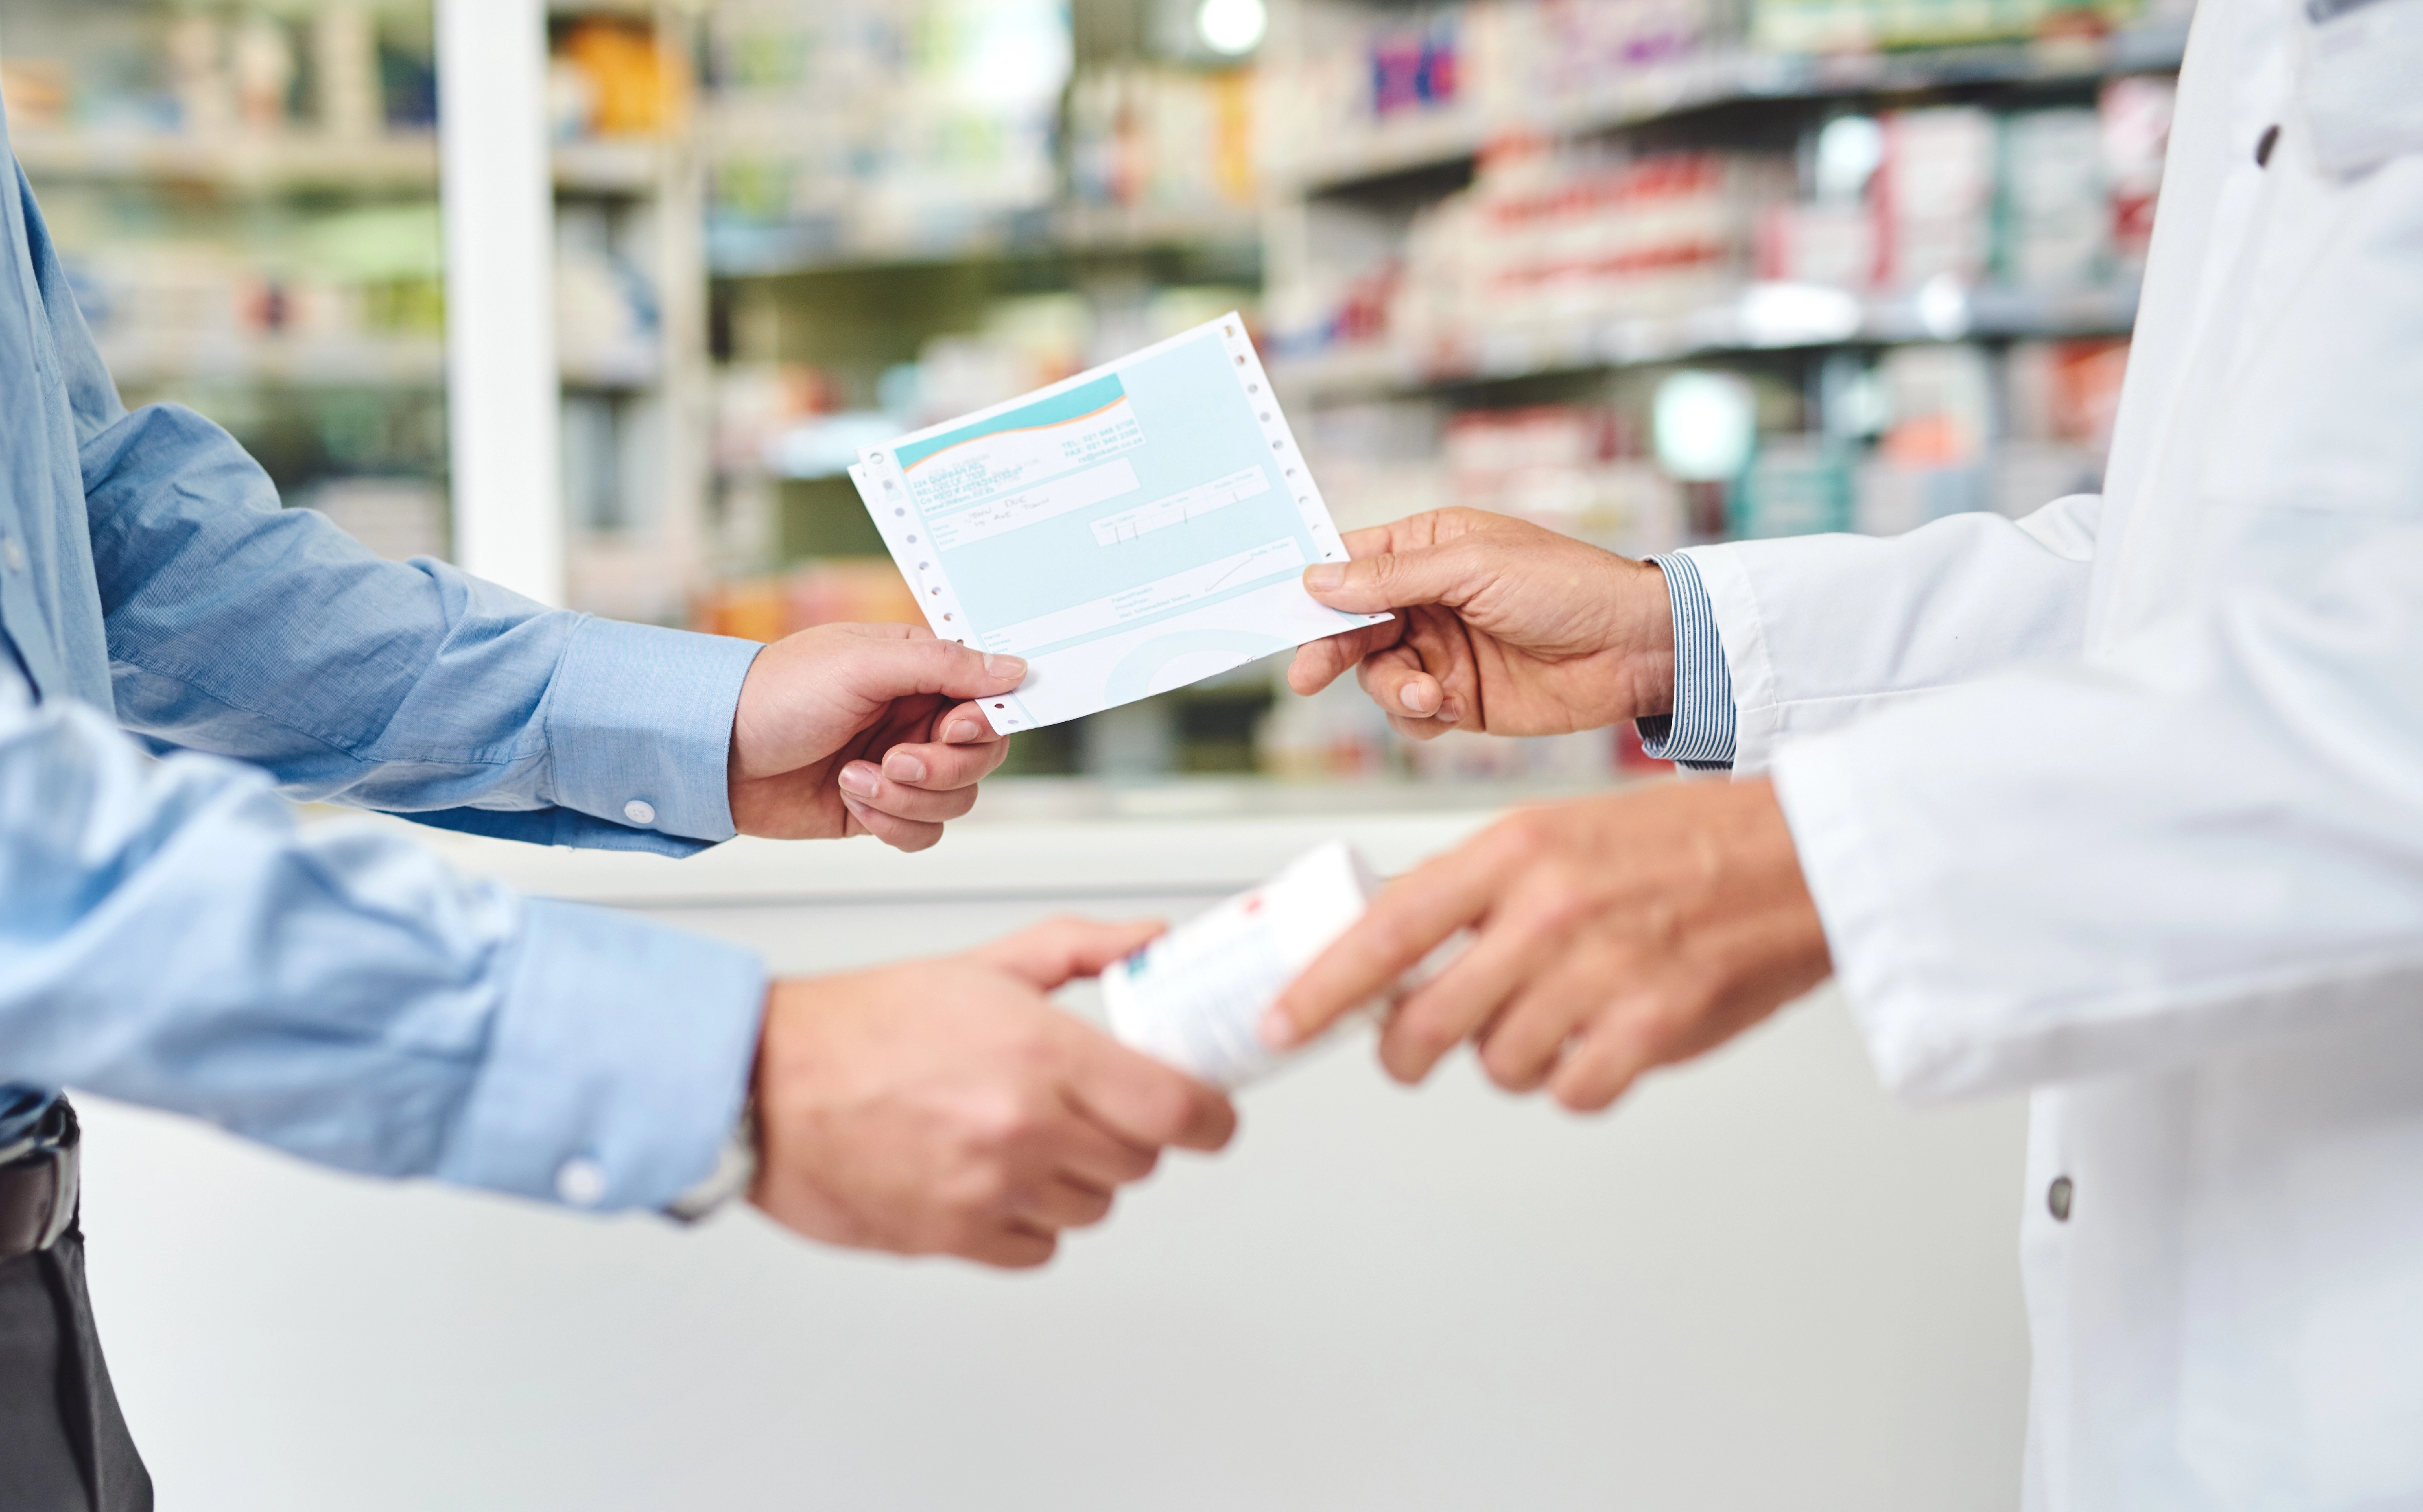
pixel 342 72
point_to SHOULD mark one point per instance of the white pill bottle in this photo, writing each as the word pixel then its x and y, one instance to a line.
pixel 1194 997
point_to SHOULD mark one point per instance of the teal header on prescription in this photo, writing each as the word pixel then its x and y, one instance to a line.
pixel 1061 408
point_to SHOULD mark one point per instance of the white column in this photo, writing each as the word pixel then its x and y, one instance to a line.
pixel 503 399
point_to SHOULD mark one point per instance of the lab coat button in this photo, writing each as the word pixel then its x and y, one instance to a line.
pixel 2058 1199
pixel 582 1182
pixel 639 811
pixel 2264 144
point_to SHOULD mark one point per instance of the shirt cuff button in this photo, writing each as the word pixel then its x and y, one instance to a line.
pixel 639 811
pixel 580 1182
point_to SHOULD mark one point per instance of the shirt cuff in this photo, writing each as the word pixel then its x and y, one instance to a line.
pixel 616 1067
pixel 1699 734
pixel 639 727
pixel 557 826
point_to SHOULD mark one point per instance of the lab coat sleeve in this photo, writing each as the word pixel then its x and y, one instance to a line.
pixel 168 936
pixel 1822 631
pixel 2211 832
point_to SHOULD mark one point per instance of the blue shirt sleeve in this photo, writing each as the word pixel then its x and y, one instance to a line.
pixel 1699 734
pixel 337 992
pixel 245 630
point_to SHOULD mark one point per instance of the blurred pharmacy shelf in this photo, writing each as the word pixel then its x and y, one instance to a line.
pixel 1882 256
pixel 235 162
pixel 244 201
pixel 611 166
pixel 631 303
pixel 1081 228
pixel 299 162
pixel 136 360
pixel 1762 317
pixel 1343 161
pixel 1657 275
pixel 1066 231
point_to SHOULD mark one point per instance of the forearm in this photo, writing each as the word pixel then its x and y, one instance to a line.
pixel 266 635
pixel 173 940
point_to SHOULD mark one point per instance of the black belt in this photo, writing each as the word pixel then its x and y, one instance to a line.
pixel 40 1177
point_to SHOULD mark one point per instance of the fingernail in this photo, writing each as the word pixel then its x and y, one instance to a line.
pixel 860 779
pixel 1421 699
pixel 1324 576
pixel 902 767
pixel 963 730
pixel 1277 1029
pixel 1005 666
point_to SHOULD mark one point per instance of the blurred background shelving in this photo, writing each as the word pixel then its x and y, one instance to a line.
pixel 246 204
pixel 1646 271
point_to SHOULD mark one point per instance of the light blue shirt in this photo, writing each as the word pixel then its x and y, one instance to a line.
pixel 168 936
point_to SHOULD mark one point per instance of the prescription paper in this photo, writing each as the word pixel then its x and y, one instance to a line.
pixel 1135 528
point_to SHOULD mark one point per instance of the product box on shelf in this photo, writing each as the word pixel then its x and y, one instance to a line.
pixel 1866 25
pixel 1366 78
pixel 2135 117
pixel 870 128
pixel 2056 220
pixel 1515 270
pixel 1163 139
pixel 1576 470
pixel 1935 195
pixel 1797 485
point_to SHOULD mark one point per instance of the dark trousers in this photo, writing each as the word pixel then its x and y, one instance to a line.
pixel 63 1445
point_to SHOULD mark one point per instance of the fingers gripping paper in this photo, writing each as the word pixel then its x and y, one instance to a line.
pixel 1194 997
pixel 1133 529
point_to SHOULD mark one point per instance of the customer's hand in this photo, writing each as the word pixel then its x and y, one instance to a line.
pixel 1614 936
pixel 864 729
pixel 1500 627
pixel 947 1107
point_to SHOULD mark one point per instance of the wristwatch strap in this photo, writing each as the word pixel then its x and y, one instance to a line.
pixel 736 1168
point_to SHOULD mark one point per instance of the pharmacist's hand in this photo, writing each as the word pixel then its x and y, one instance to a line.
pixel 863 730
pixel 946 1106
pixel 1500 627
pixel 1613 936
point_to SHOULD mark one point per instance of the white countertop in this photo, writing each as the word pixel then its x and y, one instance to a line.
pixel 977 858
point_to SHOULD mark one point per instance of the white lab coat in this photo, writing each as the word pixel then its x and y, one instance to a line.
pixel 2123 803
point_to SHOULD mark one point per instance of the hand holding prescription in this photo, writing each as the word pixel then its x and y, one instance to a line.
pixel 1500 627
pixel 862 729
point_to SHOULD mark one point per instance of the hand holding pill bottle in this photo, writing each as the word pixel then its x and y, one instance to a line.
pixel 1194 997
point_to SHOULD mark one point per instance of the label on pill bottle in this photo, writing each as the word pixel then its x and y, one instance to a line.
pixel 1194 997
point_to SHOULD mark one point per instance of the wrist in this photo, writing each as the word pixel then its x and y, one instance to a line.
pixel 741 1155
pixel 1649 633
pixel 1761 860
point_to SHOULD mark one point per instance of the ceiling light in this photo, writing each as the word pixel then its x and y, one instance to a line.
pixel 1231 28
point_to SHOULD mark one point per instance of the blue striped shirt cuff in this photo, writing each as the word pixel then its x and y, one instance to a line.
pixel 1699 734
